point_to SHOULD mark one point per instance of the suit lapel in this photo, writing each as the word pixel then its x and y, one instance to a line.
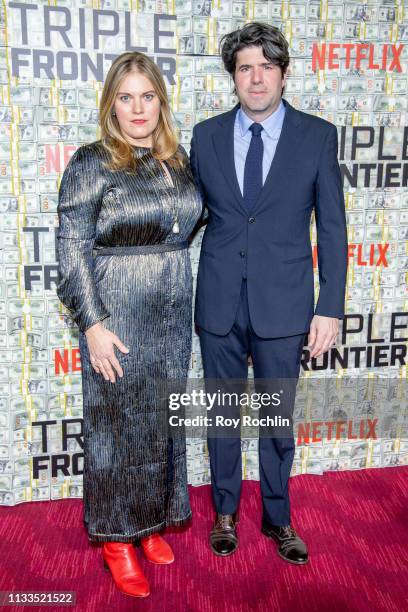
pixel 285 148
pixel 223 141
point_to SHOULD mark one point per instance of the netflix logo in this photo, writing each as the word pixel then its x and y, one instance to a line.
pixel 371 56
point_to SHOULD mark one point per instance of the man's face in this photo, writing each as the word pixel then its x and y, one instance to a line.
pixel 258 83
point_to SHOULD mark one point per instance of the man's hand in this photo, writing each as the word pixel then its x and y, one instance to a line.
pixel 322 335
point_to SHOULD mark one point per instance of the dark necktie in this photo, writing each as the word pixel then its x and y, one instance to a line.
pixel 253 167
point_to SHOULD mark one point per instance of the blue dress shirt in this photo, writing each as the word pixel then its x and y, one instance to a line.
pixel 272 127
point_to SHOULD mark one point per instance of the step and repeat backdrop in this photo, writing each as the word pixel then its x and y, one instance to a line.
pixel 348 65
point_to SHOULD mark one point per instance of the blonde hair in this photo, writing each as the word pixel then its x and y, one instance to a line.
pixel 165 139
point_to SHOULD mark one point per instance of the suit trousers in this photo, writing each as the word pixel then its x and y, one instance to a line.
pixel 226 358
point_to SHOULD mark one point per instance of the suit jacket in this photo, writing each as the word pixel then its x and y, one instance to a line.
pixel 270 244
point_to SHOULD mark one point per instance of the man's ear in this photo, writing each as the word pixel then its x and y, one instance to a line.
pixel 284 78
pixel 234 91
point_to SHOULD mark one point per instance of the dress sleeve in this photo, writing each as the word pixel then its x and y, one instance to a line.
pixel 79 202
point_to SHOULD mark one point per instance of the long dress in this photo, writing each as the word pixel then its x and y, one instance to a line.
pixel 135 474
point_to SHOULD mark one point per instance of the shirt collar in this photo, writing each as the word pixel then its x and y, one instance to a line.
pixel 269 124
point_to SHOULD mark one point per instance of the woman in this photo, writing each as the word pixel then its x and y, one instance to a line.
pixel 127 205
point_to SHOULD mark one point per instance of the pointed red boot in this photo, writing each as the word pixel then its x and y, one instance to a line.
pixel 121 560
pixel 157 550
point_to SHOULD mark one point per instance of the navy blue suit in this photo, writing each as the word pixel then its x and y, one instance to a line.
pixel 272 244
pixel 255 290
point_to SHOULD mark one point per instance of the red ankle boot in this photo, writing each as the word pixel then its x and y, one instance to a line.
pixel 121 560
pixel 157 550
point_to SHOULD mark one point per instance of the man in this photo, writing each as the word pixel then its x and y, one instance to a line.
pixel 262 168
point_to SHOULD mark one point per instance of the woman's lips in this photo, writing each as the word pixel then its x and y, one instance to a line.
pixel 139 121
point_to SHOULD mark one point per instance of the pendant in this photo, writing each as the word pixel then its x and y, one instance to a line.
pixel 176 228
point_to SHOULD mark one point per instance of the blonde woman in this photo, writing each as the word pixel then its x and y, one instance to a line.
pixel 127 206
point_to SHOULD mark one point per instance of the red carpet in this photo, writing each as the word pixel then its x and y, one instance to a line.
pixel 355 525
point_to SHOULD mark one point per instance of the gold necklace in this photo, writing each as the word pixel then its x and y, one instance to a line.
pixel 174 185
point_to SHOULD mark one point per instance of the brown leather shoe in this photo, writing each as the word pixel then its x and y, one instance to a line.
pixel 291 547
pixel 223 536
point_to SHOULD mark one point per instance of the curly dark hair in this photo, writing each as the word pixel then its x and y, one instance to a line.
pixel 274 45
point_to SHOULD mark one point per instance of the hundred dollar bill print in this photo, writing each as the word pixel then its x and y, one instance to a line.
pixel 348 65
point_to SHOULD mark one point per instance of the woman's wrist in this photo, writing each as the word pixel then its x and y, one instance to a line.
pixel 95 327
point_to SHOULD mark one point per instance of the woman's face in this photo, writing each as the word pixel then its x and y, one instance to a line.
pixel 137 108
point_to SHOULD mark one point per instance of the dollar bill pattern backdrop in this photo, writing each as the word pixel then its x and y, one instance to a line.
pixel 348 65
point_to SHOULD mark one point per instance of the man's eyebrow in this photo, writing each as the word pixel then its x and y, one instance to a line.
pixel 249 65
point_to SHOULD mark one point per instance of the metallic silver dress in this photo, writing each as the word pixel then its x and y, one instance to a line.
pixel 120 262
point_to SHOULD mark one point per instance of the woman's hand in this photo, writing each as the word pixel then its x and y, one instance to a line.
pixel 101 342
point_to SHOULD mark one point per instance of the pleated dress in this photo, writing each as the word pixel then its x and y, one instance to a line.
pixel 120 262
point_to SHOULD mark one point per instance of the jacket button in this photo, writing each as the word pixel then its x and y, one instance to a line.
pixel 242 253
pixel 251 219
